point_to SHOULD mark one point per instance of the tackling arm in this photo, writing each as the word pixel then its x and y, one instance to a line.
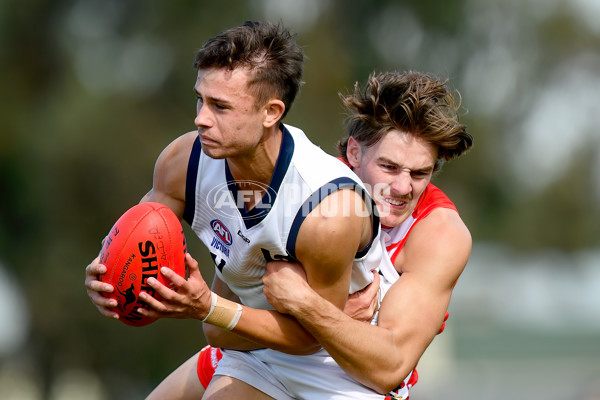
pixel 411 313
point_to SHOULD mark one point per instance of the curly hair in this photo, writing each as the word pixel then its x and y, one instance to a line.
pixel 411 102
pixel 266 49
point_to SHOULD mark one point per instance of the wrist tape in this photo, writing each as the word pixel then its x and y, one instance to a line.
pixel 223 313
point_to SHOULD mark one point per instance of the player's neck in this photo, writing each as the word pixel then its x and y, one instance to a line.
pixel 258 166
pixel 253 173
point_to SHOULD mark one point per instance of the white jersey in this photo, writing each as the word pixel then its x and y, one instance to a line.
pixel 241 242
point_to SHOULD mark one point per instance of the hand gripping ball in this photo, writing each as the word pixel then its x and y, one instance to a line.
pixel 144 239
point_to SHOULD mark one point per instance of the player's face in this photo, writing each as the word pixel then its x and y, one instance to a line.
pixel 229 122
pixel 398 168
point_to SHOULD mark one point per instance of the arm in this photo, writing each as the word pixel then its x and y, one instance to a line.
pixel 219 337
pixel 328 273
pixel 169 189
pixel 361 306
pixel 328 241
pixel 255 329
pixel 170 173
pixel 411 313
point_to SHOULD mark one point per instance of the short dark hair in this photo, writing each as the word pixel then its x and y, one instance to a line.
pixel 268 50
pixel 411 102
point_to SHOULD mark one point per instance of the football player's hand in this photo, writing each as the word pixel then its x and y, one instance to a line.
pixel 182 298
pixel 363 304
pixel 95 288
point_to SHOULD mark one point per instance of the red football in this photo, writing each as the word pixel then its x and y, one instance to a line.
pixel 147 237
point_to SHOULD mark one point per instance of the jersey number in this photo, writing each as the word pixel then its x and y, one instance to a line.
pixel 220 264
pixel 276 257
pixel 266 253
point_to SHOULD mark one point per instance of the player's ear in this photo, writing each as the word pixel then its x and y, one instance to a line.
pixel 273 111
pixel 353 152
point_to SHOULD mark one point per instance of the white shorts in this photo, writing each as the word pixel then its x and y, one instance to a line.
pixel 284 376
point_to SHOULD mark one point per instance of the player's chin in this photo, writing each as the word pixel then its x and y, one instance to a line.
pixel 215 153
pixel 392 220
pixel 387 216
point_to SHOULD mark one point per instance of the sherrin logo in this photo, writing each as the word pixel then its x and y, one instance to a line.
pixel 222 232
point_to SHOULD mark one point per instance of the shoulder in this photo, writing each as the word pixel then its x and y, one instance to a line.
pixel 437 215
pixel 431 199
pixel 178 151
pixel 170 172
pixel 443 226
pixel 441 239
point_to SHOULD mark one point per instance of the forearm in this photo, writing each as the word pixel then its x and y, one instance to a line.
pixel 262 328
pixel 370 354
pixel 224 339
pixel 257 329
